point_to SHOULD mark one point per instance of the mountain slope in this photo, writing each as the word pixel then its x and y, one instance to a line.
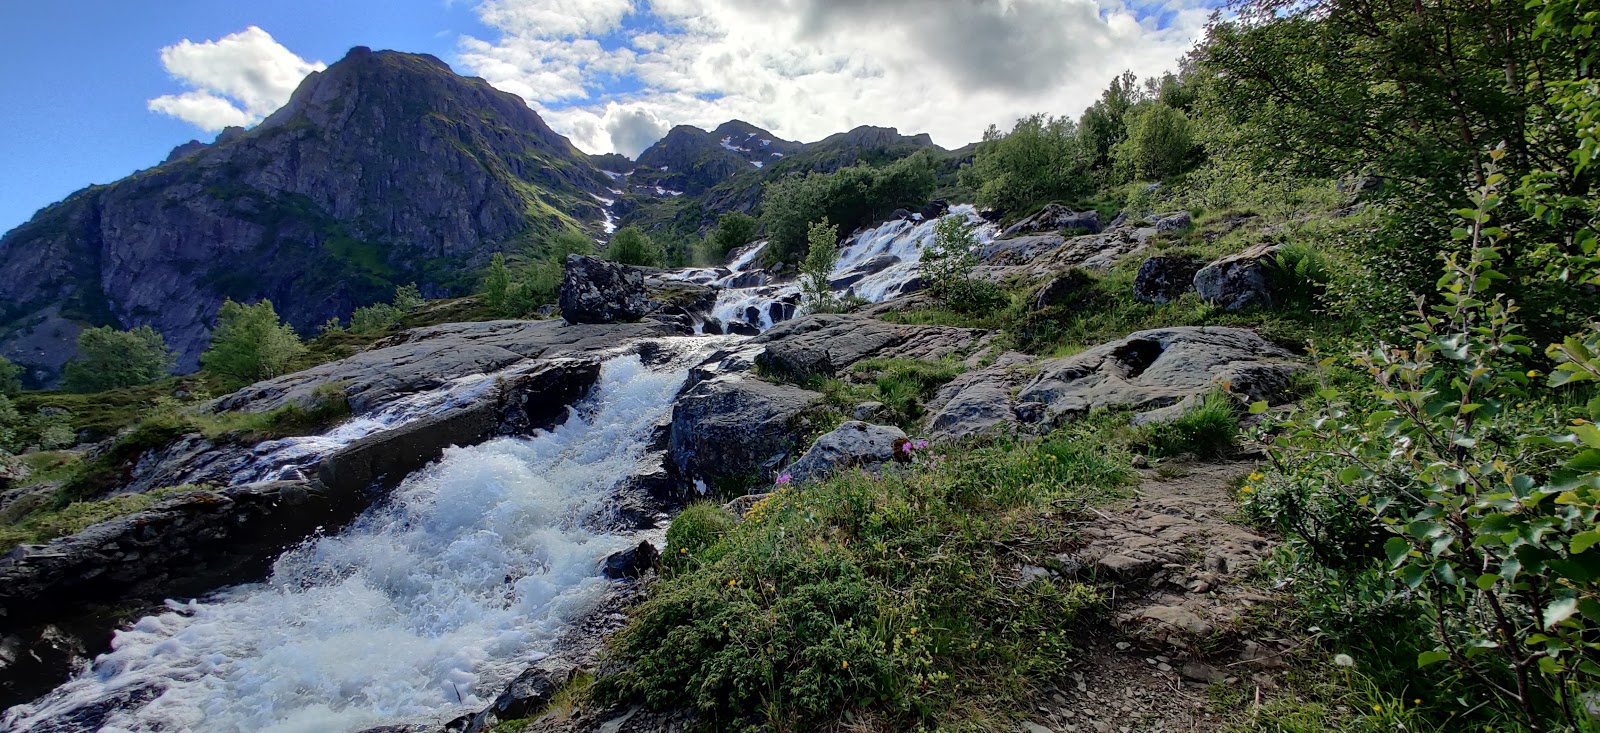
pixel 384 169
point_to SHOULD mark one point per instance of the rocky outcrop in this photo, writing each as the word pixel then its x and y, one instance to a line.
pixel 597 291
pixel 1239 281
pixel 1174 222
pixel 1144 372
pixel 1163 278
pixel 1067 288
pixel 384 169
pixel 1044 255
pixel 821 345
pixel 1054 218
pixel 850 445
pixel 734 428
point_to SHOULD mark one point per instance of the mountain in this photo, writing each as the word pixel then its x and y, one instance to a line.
pixel 384 169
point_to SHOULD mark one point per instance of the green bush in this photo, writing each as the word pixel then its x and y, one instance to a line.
pixel 1159 143
pixel 735 229
pixel 631 246
pixel 250 344
pixel 1041 159
pixel 112 359
pixel 890 596
pixel 694 534
pixel 947 265
pixel 1207 429
pixel 822 254
pixel 850 198
pixel 10 378
pixel 375 318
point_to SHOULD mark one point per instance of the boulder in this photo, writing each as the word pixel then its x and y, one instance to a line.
pixel 993 216
pixel 1174 222
pixel 597 291
pixel 852 444
pixel 1161 279
pixel 633 562
pixel 736 428
pixel 740 327
pixel 1055 217
pixel 1239 281
pixel 711 327
pixel 822 344
pixel 901 214
pixel 935 209
pixel 1071 286
pixel 1145 371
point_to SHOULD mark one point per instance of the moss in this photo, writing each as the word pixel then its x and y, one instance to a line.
pixel 46 522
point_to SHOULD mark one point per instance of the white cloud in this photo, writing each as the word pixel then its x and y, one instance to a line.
pixel 809 68
pixel 237 79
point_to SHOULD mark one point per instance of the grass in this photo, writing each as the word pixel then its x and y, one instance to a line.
pixel 894 597
pixel 42 523
pixel 1207 429
pixel 901 385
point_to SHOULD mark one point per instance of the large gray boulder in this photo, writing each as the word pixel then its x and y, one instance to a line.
pixel 1239 281
pixel 735 428
pixel 1163 278
pixel 850 445
pixel 1054 218
pixel 597 291
pixel 1144 372
pixel 823 344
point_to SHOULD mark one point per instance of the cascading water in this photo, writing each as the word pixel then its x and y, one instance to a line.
pixel 424 608
pixel 875 265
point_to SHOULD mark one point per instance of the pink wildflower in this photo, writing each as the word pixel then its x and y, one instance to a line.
pixel 785 479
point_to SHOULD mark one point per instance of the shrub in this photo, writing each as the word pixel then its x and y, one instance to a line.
pixel 822 255
pixel 10 378
pixel 1300 273
pixel 735 229
pixel 111 359
pixel 1159 142
pixel 375 318
pixel 947 265
pixel 1040 160
pixel 850 198
pixel 694 533
pixel 496 287
pixel 408 298
pixel 250 344
pixel 631 246
pixel 1208 429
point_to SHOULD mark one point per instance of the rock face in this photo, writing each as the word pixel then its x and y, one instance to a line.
pixel 1238 281
pixel 850 445
pixel 384 169
pixel 691 160
pixel 736 428
pixel 1145 372
pixel 1069 287
pixel 820 345
pixel 1054 218
pixel 1161 279
pixel 597 291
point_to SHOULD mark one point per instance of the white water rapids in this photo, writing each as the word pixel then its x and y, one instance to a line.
pixel 424 609
pixel 431 602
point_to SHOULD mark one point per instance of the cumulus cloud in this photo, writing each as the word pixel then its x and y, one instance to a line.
pixel 237 79
pixel 808 68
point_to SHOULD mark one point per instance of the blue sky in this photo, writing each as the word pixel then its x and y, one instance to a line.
pixel 82 72
pixel 612 75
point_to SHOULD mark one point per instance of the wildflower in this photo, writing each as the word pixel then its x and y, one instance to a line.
pixel 1417 701
pixel 914 631
pixel 1257 476
pixel 846 665
pixel 1343 660
pixel 1377 708
pixel 785 479
pixel 1533 373
pixel 733 582
pixel 1246 489
pixel 683 551
pixel 920 444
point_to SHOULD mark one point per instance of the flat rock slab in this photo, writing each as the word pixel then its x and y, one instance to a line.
pixel 823 344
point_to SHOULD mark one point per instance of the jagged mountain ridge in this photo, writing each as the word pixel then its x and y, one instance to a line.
pixel 384 169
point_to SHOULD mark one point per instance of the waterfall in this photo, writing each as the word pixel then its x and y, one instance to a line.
pixel 422 609
pixel 874 264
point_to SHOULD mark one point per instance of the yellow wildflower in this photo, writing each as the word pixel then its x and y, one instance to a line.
pixel 846 665
pixel 1257 476
pixel 1533 373
pixel 913 631
pixel 1246 489
pixel 733 582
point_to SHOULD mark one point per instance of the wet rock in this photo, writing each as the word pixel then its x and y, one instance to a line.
pixel 1238 281
pixel 737 327
pixel 712 327
pixel 935 209
pixel 900 214
pixel 822 344
pixel 867 410
pixel 736 428
pixel 852 444
pixel 633 562
pixel 1163 278
pixel 992 216
pixel 597 291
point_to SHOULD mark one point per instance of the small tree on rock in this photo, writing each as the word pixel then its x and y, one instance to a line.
pixel 817 270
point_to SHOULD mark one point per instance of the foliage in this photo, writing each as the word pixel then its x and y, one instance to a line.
pixel 111 359
pixel 1487 511
pixel 735 229
pixel 694 533
pixel 850 198
pixel 380 317
pixel 250 344
pixel 10 378
pixel 947 264
pixel 1040 160
pixel 1209 428
pixel 822 255
pixel 901 385
pixel 1300 274
pixel 1159 142
pixel 892 596
pixel 631 246
pixel 408 298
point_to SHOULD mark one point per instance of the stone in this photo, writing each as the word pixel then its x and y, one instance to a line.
pixel 1161 279
pixel 852 444
pixel 1126 568
pixel 712 327
pixel 1144 371
pixel 935 209
pixel 900 215
pixel 867 410
pixel 1174 222
pixel 1239 281
pixel 822 344
pixel 1178 618
pixel 739 327
pixel 1054 218
pixel 633 562
pixel 1201 672
pixel 1068 288
pixel 735 428
pixel 598 291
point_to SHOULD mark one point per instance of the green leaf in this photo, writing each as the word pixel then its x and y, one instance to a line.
pixel 1584 540
pixel 1396 548
pixel 1428 659
pixel 1589 434
pixel 1487 581
pixel 1256 408
pixel 1414 574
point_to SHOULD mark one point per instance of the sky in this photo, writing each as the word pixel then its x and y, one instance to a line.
pixel 101 88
